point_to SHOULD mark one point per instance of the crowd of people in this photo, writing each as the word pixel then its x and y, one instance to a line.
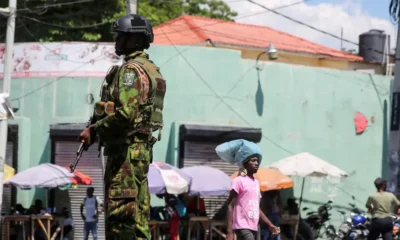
pixel 91 208
pixel 37 209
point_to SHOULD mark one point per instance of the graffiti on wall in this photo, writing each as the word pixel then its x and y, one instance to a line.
pixel 58 59
pixel 332 190
pixel 326 186
pixel 316 185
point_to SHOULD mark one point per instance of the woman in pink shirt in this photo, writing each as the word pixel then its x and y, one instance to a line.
pixel 244 199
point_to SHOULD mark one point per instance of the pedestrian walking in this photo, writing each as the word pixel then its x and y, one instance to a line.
pixel 244 199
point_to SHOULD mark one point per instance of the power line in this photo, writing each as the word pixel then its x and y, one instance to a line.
pixel 177 31
pixel 241 17
pixel 61 77
pixel 197 73
pixel 277 8
pixel 19 25
pixel 218 96
pixel 103 23
pixel 221 98
pixel 50 83
pixel 274 10
pixel 43 45
pixel 54 5
pixel 263 42
pixel 257 42
pixel 235 112
pixel 239 115
pixel 233 37
pixel 311 27
pixel 66 27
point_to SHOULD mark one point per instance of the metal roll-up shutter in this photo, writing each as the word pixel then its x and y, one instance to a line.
pixel 197 153
pixel 7 190
pixel 89 164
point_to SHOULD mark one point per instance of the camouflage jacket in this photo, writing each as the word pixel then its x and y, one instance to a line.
pixel 131 88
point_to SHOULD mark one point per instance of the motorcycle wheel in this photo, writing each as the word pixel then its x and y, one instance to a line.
pixel 328 232
pixel 304 231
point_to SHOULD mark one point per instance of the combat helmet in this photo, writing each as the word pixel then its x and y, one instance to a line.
pixel 134 23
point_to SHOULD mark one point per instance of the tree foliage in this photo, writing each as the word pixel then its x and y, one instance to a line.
pixel 85 20
pixel 159 11
pixel 351 51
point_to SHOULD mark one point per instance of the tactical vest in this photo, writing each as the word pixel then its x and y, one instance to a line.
pixel 150 110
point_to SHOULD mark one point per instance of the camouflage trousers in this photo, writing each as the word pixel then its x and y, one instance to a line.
pixel 127 196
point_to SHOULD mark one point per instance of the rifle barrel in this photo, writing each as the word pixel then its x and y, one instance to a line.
pixel 72 166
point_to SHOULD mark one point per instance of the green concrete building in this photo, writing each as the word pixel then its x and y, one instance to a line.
pixel 213 95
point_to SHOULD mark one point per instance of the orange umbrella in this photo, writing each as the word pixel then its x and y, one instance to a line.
pixel 271 179
pixel 80 178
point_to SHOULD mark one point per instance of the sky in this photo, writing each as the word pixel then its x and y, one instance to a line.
pixel 354 16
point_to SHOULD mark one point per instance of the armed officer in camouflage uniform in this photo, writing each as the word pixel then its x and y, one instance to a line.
pixel 129 112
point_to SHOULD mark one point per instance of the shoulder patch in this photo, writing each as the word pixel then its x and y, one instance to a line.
pixel 128 78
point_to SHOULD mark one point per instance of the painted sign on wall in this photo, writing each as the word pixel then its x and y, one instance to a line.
pixel 61 59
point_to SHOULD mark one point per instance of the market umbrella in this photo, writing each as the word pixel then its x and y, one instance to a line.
pixel 207 181
pixel 304 165
pixel 45 175
pixel 164 178
pixel 80 178
pixel 8 172
pixel 307 165
pixel 271 179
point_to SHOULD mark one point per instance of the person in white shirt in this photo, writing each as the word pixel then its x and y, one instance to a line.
pixel 91 205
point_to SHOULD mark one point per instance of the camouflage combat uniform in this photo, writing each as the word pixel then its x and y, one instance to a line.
pixel 127 194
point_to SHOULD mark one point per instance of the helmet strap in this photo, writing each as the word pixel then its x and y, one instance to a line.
pixel 120 44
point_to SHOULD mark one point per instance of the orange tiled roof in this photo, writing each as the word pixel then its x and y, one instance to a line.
pixel 192 30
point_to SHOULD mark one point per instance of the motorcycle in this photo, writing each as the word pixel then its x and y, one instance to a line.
pixel 319 221
pixel 396 227
pixel 353 227
pixel 357 224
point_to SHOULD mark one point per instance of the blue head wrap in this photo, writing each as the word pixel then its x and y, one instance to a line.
pixel 237 151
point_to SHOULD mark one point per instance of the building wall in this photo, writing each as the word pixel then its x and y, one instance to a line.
pixel 313 61
pixel 297 59
pixel 378 68
pixel 300 109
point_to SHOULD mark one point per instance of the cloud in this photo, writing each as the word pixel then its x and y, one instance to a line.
pixel 329 17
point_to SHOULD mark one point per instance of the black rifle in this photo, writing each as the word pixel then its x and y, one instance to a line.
pixel 81 148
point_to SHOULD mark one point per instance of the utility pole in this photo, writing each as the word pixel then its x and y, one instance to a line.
pixel 12 5
pixel 394 139
pixel 131 6
pixel 341 39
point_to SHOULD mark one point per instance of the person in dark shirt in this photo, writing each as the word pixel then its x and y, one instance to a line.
pixel 191 206
pixel 37 208
pixel 19 209
pixel 272 207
